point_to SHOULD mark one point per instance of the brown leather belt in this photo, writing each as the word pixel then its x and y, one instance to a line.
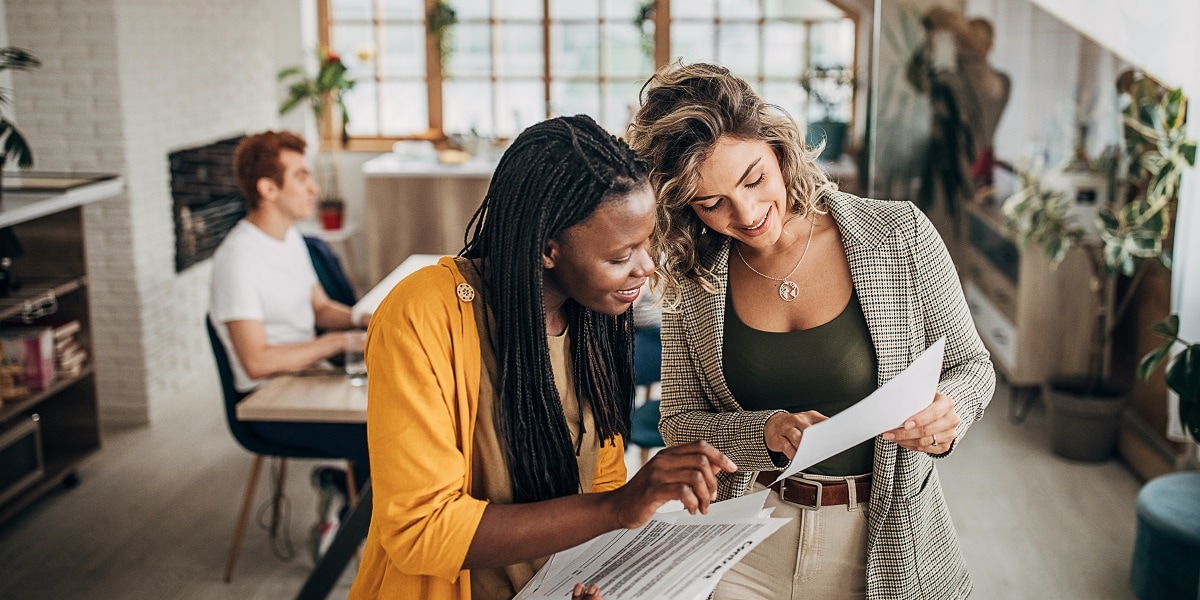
pixel 812 494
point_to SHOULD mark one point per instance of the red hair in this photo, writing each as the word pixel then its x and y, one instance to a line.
pixel 257 156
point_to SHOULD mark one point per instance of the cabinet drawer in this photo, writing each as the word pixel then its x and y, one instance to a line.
pixel 998 333
pixel 20 457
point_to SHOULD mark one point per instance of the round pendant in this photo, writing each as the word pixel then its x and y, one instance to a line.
pixel 788 290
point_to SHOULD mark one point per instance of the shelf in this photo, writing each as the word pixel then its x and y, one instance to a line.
pixel 36 295
pixel 15 406
pixel 18 206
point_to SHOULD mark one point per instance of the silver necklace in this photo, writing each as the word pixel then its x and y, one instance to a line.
pixel 787 288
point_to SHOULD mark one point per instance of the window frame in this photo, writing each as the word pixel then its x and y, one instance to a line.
pixel 435 77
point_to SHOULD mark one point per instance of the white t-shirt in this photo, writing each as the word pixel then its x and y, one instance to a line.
pixel 256 277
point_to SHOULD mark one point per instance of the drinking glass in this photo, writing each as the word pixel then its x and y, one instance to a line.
pixel 356 365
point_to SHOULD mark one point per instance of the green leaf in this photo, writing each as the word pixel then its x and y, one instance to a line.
pixel 1189 411
pixel 1107 219
pixel 1168 327
pixel 1151 361
pixel 1187 149
pixel 1171 105
pixel 1183 374
pixel 289 72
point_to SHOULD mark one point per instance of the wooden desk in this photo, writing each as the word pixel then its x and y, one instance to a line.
pixel 308 398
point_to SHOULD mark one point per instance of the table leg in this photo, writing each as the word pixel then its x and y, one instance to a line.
pixel 344 547
pixel 1021 402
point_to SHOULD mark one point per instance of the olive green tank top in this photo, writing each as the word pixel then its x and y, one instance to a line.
pixel 827 368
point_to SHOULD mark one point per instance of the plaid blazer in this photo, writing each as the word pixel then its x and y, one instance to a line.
pixel 911 296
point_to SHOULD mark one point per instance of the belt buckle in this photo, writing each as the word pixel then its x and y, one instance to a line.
pixel 815 484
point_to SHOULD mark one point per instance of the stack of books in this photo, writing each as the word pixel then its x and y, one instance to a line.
pixel 28 355
pixel 70 354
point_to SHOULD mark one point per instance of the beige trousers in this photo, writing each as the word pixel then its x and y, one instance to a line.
pixel 819 554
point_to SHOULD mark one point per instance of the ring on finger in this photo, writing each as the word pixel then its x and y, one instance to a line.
pixel 935 442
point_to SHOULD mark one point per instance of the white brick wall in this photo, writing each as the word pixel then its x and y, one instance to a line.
pixel 123 83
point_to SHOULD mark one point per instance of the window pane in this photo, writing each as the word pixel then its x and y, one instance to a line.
pixel 811 10
pixel 520 50
pixel 352 9
pixel 833 44
pixel 519 104
pixel 404 50
pixel 519 9
pixel 575 9
pixel 361 105
pixel 624 55
pixel 467 10
pixel 402 10
pixel 738 10
pixel 787 95
pixel 691 10
pixel 620 102
pixel 694 42
pixel 621 10
pixel 575 97
pixel 472 53
pixel 353 43
pixel 737 48
pixel 574 50
pixel 404 108
pixel 785 49
pixel 467 105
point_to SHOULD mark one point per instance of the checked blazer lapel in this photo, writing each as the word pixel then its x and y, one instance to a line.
pixel 709 320
pixel 882 281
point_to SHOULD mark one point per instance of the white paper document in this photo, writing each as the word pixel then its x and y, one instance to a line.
pixel 886 408
pixel 371 300
pixel 676 556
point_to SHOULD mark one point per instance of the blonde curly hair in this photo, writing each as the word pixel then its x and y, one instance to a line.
pixel 684 110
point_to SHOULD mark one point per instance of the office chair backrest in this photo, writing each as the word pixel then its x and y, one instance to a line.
pixel 329 271
pixel 240 432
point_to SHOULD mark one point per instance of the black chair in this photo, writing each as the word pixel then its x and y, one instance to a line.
pixel 259 447
pixel 329 271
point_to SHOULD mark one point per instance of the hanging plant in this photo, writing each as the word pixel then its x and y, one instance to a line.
pixel 644 21
pixel 441 17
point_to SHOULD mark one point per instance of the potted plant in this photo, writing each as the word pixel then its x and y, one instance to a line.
pixel 331 213
pixel 322 92
pixel 828 88
pixel 12 144
pixel 1131 226
pixel 1182 372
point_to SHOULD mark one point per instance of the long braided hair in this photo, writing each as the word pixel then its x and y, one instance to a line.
pixel 554 176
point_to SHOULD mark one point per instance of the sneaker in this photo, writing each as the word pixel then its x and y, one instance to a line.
pixel 331 502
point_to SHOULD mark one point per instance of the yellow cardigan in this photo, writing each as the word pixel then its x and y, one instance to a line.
pixel 423 390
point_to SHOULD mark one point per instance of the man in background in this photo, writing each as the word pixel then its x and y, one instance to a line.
pixel 267 302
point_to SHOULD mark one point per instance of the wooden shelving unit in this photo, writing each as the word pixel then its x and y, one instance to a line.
pixel 52 272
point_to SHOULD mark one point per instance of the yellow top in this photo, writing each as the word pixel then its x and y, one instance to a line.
pixel 423 356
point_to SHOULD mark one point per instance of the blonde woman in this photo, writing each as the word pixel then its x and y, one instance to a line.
pixel 787 302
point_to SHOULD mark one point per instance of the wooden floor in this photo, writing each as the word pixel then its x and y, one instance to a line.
pixel 153 514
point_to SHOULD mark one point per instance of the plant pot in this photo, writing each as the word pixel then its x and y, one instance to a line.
pixel 834 135
pixel 331 217
pixel 1084 421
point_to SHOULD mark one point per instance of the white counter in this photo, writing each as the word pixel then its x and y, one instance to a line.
pixel 394 165
pixel 19 206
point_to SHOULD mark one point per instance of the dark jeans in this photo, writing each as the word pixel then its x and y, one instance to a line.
pixel 335 440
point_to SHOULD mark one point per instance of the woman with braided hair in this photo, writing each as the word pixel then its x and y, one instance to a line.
pixel 501 381
pixel 787 302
